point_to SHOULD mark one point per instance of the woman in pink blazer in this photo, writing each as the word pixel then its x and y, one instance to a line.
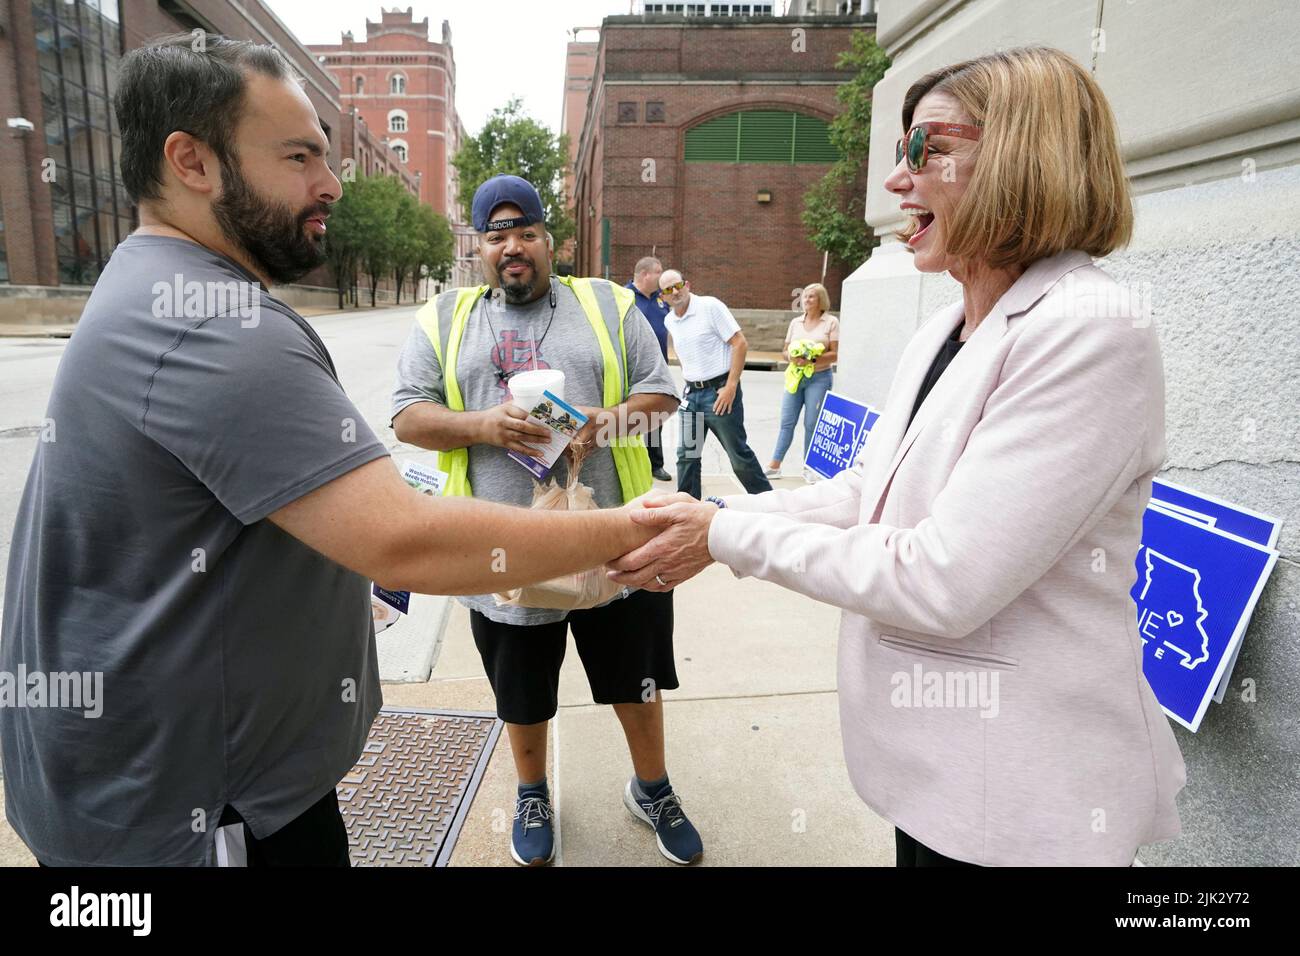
pixel 992 700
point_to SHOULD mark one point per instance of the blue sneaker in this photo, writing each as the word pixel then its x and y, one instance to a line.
pixel 532 842
pixel 662 812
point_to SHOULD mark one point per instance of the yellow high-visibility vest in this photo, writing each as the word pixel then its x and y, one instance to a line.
pixel 631 459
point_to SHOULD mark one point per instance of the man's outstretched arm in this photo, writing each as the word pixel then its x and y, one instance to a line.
pixel 370 521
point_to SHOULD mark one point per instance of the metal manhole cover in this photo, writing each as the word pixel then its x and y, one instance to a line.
pixel 406 798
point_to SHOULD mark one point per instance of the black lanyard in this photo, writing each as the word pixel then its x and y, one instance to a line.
pixel 503 376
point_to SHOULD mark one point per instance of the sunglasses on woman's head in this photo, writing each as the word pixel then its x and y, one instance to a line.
pixel 915 146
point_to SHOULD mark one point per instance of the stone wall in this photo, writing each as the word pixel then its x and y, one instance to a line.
pixel 1210 125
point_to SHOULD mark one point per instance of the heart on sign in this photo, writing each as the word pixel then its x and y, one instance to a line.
pixel 1174 618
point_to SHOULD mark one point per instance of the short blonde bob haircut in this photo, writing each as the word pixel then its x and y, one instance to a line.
pixel 1047 174
pixel 823 297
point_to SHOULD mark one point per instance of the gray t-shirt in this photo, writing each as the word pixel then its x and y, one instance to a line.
pixel 238 664
pixel 500 336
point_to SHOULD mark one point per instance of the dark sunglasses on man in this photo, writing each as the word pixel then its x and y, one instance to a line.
pixel 675 287
pixel 915 145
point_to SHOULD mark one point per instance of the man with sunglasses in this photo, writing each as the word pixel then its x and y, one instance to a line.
pixel 524 318
pixel 711 348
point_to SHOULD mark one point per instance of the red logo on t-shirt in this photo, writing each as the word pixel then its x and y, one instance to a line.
pixel 515 355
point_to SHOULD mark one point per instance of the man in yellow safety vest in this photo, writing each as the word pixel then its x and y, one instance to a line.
pixel 453 396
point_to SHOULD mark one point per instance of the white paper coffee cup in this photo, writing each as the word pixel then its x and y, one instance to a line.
pixel 526 387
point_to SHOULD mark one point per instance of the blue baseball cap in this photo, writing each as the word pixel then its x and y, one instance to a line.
pixel 500 190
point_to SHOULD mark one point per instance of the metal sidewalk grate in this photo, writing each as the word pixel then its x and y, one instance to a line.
pixel 406 798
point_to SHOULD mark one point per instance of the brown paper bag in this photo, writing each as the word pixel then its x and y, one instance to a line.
pixel 569 592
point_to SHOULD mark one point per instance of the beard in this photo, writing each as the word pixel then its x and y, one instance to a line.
pixel 275 238
pixel 517 291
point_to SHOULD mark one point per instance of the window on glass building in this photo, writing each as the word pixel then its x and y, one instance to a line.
pixel 78 47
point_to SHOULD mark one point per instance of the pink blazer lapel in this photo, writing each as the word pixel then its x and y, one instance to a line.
pixel 887 438
pixel 952 384
pixel 897 435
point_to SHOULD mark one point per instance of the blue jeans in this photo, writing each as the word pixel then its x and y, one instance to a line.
pixel 808 399
pixel 697 420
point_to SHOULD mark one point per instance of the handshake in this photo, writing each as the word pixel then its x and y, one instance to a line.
pixel 678 551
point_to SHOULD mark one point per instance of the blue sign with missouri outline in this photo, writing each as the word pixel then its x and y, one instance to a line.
pixel 842 429
pixel 1196 588
pixel 1215 512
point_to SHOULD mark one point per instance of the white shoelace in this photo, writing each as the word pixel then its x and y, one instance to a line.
pixel 665 804
pixel 534 811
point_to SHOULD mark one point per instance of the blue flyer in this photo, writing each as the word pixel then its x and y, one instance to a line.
pixel 562 419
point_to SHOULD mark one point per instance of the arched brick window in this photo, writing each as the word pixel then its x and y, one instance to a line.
pixel 761 136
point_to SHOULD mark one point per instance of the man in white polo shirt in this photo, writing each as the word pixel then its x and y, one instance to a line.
pixel 711 349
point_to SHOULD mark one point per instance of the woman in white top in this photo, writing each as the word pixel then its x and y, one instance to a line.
pixel 815 325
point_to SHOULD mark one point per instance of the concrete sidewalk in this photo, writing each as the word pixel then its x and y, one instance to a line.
pixel 753 739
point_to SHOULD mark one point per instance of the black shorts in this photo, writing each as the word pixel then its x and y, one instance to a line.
pixel 626 649
pixel 316 837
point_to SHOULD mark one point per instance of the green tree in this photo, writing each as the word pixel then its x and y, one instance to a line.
pixel 834 206
pixel 439 248
pixel 422 245
pixel 377 228
pixel 362 231
pixel 343 241
pixel 515 143
pixel 380 198
pixel 406 242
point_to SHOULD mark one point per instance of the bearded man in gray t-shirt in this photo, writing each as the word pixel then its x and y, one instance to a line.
pixel 199 538
pixel 524 318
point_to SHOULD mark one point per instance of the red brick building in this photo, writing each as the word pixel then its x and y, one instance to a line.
pixel 701 136
pixel 579 66
pixel 370 153
pixel 62 205
pixel 404 87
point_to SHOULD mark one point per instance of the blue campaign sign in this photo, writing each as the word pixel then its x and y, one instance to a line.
pixel 1234 519
pixel 842 429
pixel 1231 518
pixel 1196 588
